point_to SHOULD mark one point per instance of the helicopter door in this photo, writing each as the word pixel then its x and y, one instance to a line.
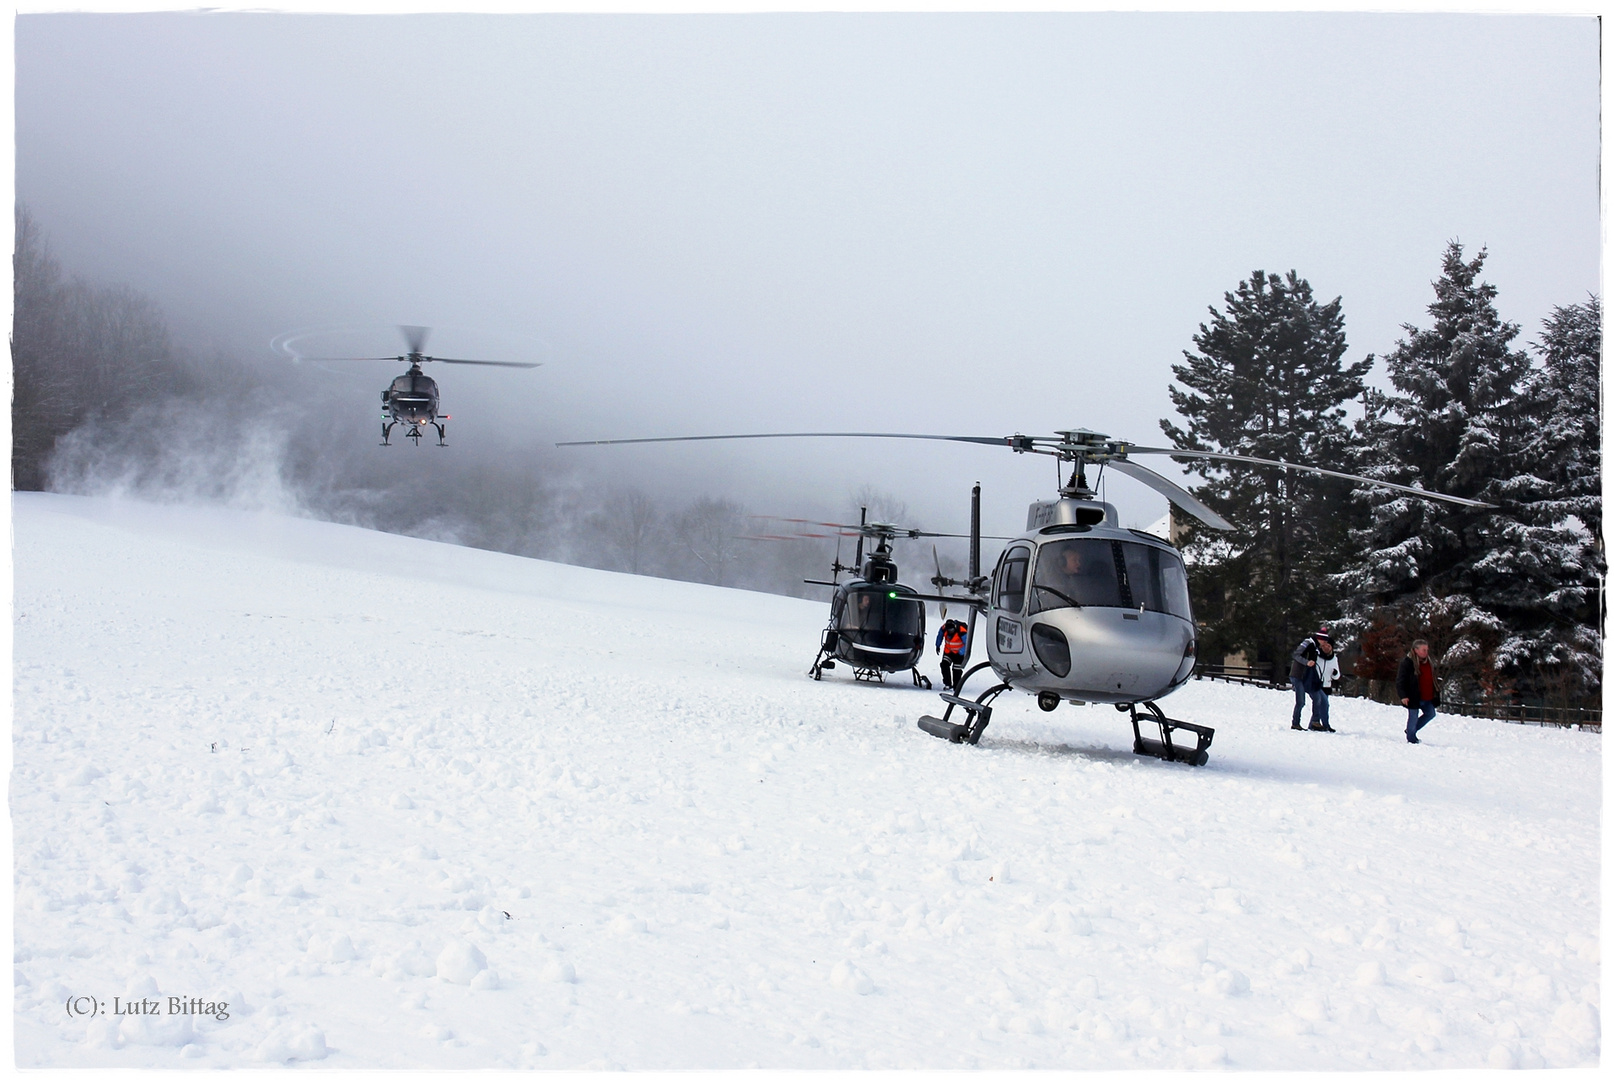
pixel 1008 596
pixel 1008 592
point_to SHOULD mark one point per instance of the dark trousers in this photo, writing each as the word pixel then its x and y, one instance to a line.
pixel 1417 716
pixel 1302 693
pixel 952 669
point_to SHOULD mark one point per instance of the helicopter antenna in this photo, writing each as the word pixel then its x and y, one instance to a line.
pixel 975 535
pixel 836 568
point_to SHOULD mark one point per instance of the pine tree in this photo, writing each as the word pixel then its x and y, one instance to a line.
pixel 1566 391
pixel 1565 511
pixel 1485 587
pixel 1268 381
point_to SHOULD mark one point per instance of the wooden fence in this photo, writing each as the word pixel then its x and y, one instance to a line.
pixel 1544 715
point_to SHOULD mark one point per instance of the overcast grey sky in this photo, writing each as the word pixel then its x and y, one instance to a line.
pixel 967 224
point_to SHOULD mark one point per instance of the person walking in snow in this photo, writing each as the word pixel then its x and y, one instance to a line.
pixel 1304 678
pixel 1416 687
pixel 1328 678
pixel 952 641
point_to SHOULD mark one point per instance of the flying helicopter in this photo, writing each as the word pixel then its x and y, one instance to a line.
pixel 876 624
pixel 411 399
pixel 1079 608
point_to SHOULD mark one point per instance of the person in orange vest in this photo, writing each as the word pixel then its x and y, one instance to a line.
pixel 951 640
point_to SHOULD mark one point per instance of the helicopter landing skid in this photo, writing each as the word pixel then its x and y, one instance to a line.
pixel 413 431
pixel 1164 748
pixel 868 674
pixel 979 714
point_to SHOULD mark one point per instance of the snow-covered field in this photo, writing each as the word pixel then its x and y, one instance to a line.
pixel 405 804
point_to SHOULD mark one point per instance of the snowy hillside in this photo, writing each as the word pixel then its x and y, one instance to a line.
pixel 400 804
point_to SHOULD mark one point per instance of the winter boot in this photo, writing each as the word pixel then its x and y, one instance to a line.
pixel 1315 726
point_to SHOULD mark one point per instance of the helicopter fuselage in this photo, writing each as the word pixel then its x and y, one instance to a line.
pixel 1079 609
pixel 1084 609
pixel 410 400
pixel 877 626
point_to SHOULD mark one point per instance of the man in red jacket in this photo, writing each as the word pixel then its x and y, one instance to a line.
pixel 1415 686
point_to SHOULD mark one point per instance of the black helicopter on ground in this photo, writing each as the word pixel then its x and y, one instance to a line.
pixel 411 399
pixel 1079 608
pixel 876 624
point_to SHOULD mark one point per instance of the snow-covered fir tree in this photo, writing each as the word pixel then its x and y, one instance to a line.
pixel 1269 380
pixel 1566 391
pixel 1565 453
pixel 1499 593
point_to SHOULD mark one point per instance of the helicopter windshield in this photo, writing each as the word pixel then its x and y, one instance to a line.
pixel 1110 573
pixel 414 384
pixel 877 611
pixel 1157 580
pixel 1075 573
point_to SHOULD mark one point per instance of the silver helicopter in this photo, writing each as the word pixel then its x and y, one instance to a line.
pixel 1079 608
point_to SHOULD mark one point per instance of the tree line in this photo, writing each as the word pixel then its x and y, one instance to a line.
pixel 1511 599
pixel 79 353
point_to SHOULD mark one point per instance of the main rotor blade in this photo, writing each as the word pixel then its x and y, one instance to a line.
pixel 345 359
pixel 484 363
pixel 897 532
pixel 804 521
pixel 1422 493
pixel 416 337
pixel 916 533
pixel 1176 494
pixel 984 441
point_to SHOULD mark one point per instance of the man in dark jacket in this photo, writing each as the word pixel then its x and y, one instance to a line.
pixel 1415 686
pixel 1304 678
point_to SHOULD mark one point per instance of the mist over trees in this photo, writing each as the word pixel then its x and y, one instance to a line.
pixel 79 354
pixel 106 401
pixel 1510 599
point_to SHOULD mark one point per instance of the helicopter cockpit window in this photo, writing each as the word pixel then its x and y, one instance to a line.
pixel 1143 575
pixel 873 610
pixel 1076 573
pixel 1174 586
pixel 1157 579
pixel 1012 579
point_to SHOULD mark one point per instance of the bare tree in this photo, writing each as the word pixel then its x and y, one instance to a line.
pixel 636 516
pixel 709 534
pixel 79 354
